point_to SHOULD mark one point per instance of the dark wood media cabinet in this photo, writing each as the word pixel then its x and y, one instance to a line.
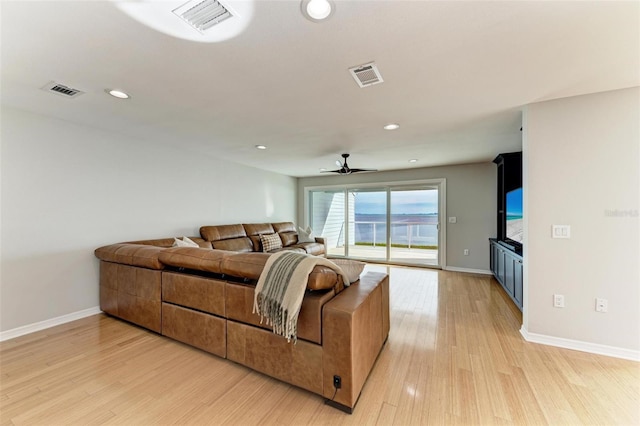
pixel 506 266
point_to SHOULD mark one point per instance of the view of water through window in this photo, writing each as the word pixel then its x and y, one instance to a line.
pixel 354 223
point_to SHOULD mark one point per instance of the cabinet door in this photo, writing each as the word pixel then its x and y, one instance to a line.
pixel 500 265
pixel 509 275
pixel 517 263
pixel 495 254
pixel 492 257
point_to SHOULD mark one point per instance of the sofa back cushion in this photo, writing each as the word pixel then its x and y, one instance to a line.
pixel 288 238
pixel 222 232
pixel 258 228
pixel 284 227
pixel 242 244
pixel 168 242
pixel 146 256
pixel 194 258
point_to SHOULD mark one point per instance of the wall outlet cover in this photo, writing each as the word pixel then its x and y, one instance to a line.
pixel 561 231
pixel 558 301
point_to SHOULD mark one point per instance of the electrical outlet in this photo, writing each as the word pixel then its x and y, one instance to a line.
pixel 466 252
pixel 561 231
pixel 602 305
pixel 337 382
pixel 558 301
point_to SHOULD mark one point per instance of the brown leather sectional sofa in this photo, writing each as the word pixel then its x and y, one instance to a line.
pixel 246 237
pixel 204 297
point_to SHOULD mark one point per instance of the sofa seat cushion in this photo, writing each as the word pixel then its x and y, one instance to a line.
pixel 145 256
pixel 289 248
pixel 311 248
pixel 195 258
pixel 250 265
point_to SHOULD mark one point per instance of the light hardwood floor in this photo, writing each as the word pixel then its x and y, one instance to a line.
pixel 454 356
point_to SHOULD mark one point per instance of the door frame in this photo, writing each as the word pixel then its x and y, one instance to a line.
pixel 440 183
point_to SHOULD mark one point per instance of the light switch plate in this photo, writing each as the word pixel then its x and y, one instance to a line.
pixel 453 219
pixel 561 231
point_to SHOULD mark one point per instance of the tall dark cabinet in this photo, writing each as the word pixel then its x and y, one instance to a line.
pixel 506 260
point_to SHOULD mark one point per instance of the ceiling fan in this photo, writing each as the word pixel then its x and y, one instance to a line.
pixel 345 169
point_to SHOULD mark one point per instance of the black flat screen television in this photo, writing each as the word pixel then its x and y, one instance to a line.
pixel 514 225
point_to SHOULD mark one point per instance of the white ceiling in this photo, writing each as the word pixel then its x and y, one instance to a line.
pixel 456 76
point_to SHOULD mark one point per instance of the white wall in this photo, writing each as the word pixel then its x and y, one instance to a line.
pixel 581 162
pixel 67 190
pixel 471 197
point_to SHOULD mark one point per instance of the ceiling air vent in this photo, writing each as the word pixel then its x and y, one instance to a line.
pixel 62 90
pixel 366 75
pixel 203 14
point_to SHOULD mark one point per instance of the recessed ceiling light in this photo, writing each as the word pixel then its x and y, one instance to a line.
pixel 317 10
pixel 413 160
pixel 261 147
pixel 118 94
pixel 392 126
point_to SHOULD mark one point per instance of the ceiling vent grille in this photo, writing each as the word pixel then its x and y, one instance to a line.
pixel 62 90
pixel 366 75
pixel 203 14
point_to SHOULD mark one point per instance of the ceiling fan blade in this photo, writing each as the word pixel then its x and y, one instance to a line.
pixel 363 170
pixel 341 171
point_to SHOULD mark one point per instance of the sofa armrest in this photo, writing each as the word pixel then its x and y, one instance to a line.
pixel 355 326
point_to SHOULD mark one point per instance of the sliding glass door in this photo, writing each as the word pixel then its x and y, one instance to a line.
pixel 369 224
pixel 392 223
pixel 328 211
pixel 414 225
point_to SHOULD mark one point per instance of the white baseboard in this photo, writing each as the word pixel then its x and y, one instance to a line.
pixel 467 270
pixel 31 328
pixel 578 345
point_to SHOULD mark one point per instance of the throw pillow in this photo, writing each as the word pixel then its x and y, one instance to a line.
pixel 352 268
pixel 306 235
pixel 270 242
pixel 186 242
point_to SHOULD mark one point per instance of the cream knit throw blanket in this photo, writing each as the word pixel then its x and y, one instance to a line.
pixel 281 286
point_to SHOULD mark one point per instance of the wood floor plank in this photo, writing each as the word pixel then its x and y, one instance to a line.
pixel 454 356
